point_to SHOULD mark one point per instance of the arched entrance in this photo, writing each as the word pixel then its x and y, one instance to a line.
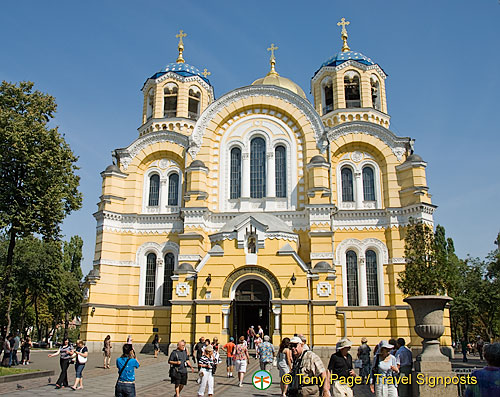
pixel 250 307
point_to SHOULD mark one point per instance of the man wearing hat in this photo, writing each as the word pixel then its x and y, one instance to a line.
pixel 364 355
pixel 307 363
pixel 340 367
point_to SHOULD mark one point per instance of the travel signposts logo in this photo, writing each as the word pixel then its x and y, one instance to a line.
pixel 262 380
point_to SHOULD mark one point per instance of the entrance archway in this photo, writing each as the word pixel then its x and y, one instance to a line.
pixel 251 306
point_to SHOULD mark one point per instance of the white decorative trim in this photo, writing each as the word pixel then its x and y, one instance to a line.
pixel 189 258
pixel 185 79
pixel 397 260
pixel 126 155
pixel 182 289
pixel 347 64
pixel 324 289
pixel 398 145
pixel 110 262
pixel 196 138
pixel 321 255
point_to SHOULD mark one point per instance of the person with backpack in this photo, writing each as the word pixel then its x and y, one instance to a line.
pixel 126 364
pixel 309 364
pixel 179 361
pixel 384 372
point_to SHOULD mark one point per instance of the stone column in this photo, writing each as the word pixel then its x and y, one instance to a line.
pixel 277 313
pixel 358 189
pixel 245 175
pixel 271 175
pixel 225 319
pixel 163 195
pixel 363 293
pixel 159 282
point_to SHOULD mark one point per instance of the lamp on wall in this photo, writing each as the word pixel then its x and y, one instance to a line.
pixel 209 279
pixel 92 311
pixel 293 279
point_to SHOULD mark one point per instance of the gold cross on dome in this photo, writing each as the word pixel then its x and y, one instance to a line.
pixel 273 59
pixel 206 73
pixel 344 34
pixel 180 46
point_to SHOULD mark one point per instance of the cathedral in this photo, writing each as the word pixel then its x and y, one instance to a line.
pixel 258 208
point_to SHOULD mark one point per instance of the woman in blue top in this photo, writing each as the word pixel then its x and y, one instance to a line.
pixel 65 352
pixel 126 364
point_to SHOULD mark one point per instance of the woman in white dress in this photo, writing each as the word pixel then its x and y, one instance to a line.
pixel 385 369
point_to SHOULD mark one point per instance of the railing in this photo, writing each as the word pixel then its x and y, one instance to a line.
pixel 193 115
pixel 462 372
pixel 169 113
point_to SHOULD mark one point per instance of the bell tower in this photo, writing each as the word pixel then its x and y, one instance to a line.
pixel 175 97
pixel 349 86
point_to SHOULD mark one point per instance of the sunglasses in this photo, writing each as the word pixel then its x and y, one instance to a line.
pixel 293 345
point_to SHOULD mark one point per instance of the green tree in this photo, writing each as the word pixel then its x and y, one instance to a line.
pixel 426 261
pixel 37 169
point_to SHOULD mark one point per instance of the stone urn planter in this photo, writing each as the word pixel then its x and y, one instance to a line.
pixel 428 311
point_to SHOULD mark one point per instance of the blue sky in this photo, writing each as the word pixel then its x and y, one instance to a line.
pixel 442 58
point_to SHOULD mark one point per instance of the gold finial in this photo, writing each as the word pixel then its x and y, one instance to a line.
pixel 343 34
pixel 273 60
pixel 206 73
pixel 180 47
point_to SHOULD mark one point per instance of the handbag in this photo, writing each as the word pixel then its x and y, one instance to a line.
pixel 81 359
pixel 173 372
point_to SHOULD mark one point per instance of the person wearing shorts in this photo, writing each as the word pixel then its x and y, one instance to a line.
pixel 229 349
pixel 179 361
pixel 241 358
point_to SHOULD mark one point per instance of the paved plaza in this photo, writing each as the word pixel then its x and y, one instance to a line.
pixel 151 379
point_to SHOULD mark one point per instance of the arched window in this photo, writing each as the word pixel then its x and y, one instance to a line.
pixel 150 104
pixel 327 88
pixel 352 91
pixel 170 92
pixel 375 84
pixel 149 296
pixel 371 278
pixel 167 280
pixel 173 189
pixel 368 184
pixel 257 168
pixel 154 190
pixel 235 177
pixel 194 102
pixel 347 185
pixel 280 170
pixel 352 278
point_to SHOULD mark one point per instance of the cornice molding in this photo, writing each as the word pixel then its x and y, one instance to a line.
pixel 196 138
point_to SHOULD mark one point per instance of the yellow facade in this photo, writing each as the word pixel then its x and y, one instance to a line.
pixel 258 208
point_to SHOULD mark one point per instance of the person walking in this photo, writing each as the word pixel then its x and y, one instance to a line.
pixel 405 364
pixel 215 345
pixel 266 354
pixel 156 344
pixel 260 332
pixel 198 349
pixel 463 344
pixel 241 359
pixel 179 361
pixel 107 351
pixel 340 369
pixel 229 348
pixel 81 352
pixel 480 347
pixel 284 363
pixel 488 378
pixel 6 351
pixel 251 337
pixel 64 353
pixel 126 364
pixel 257 341
pixel 364 355
pixel 306 363
pixel 26 350
pixel 206 374
pixel 385 367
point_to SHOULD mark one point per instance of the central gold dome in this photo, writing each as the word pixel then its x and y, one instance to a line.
pixel 277 80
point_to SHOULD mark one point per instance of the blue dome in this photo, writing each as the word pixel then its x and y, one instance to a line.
pixel 342 57
pixel 182 69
